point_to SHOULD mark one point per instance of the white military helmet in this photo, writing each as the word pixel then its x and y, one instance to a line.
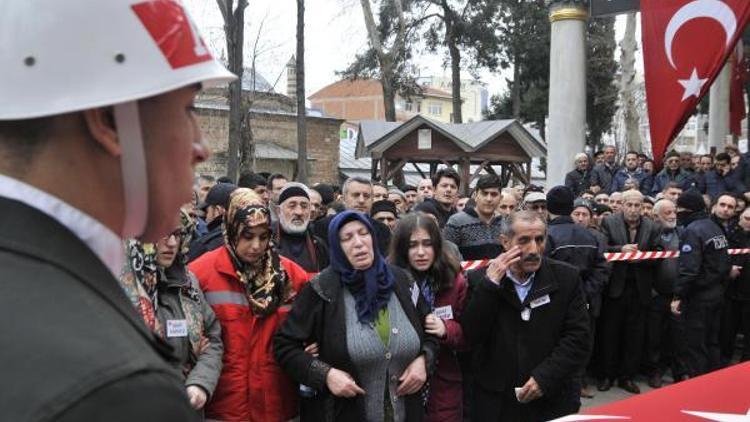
pixel 64 56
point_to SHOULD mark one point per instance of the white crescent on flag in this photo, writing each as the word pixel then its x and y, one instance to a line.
pixel 720 417
pixel 577 418
pixel 712 9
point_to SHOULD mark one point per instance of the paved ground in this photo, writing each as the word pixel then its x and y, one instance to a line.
pixel 616 393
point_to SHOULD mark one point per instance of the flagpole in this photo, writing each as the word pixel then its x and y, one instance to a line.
pixel 567 88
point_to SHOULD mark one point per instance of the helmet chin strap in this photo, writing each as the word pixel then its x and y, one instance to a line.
pixel 133 168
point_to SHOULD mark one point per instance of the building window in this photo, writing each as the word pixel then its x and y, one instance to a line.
pixel 419 107
pixel 436 109
pixel 408 106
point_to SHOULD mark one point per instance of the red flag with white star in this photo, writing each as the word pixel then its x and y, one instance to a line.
pixel 737 108
pixel 719 396
pixel 685 45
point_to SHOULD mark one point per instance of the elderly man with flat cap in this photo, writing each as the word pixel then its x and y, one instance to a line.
pixel 292 232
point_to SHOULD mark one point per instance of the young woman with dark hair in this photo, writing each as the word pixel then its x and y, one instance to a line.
pixel 417 246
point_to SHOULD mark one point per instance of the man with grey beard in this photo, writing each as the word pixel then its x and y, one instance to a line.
pixel 665 332
pixel 293 236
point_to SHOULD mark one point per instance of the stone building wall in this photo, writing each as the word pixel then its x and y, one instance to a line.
pixel 278 128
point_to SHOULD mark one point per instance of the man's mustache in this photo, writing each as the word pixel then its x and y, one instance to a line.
pixel 532 258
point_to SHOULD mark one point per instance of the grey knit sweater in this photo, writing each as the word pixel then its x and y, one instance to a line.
pixel 379 365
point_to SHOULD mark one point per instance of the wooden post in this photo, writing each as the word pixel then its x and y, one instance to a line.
pixel 465 167
pixel 528 171
pixel 383 170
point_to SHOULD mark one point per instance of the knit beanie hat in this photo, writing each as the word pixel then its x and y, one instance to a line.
pixel 560 200
pixel 691 200
pixel 383 205
pixel 293 189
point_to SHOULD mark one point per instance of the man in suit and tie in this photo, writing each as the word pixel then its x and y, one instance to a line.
pixel 622 323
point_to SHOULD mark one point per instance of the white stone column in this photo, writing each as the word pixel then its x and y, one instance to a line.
pixel 567 89
pixel 718 112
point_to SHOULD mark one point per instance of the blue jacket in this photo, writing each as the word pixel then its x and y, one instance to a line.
pixel 716 184
pixel 622 176
pixel 684 178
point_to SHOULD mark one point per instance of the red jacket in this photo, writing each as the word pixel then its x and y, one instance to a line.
pixel 445 402
pixel 251 386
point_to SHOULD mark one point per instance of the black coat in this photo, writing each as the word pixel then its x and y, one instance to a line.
pixel 577 246
pixel 647 238
pixel 209 241
pixel 318 315
pixel 305 249
pixel 73 346
pixel 740 288
pixel 553 346
pixel 578 181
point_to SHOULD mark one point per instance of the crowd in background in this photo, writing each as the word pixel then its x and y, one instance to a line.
pixel 350 303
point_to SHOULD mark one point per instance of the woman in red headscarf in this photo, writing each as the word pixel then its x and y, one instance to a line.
pixel 250 288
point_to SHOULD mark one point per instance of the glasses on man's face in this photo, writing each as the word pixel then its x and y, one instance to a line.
pixel 177 234
pixel 538 207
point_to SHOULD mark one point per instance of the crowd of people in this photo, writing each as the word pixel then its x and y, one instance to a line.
pixel 350 303
pixel 268 300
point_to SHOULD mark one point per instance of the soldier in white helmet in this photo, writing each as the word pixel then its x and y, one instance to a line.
pixel 98 142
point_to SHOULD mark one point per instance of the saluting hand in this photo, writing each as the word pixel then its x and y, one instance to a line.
pixel 498 266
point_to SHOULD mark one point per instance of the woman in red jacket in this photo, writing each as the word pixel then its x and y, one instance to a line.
pixel 417 246
pixel 250 288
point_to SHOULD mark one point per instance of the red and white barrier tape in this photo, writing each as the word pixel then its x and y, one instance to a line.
pixel 613 257
pixel 473 265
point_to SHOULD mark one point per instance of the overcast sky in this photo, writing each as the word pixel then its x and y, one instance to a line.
pixel 334 34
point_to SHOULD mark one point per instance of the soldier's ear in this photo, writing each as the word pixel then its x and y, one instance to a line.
pixel 100 125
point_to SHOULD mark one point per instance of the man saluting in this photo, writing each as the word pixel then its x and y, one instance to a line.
pixel 528 327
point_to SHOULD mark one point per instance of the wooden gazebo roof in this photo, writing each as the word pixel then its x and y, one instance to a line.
pixel 504 143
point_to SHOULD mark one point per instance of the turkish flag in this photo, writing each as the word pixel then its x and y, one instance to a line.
pixel 737 108
pixel 718 396
pixel 685 45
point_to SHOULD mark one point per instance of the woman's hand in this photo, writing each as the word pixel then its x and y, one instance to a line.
pixel 197 397
pixel 312 349
pixel 341 384
pixel 413 377
pixel 434 326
